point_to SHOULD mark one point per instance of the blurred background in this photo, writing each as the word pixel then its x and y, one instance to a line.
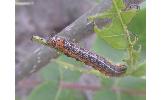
pixel 64 78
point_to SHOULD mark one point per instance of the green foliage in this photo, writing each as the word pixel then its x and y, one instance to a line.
pixel 116 42
pixel 50 90
pixel 51 71
pixel 129 88
pixel 71 95
pixel 105 50
pixel 105 95
pixel 138 27
pixel 127 30
pixel 45 91
pixel 51 75
pixel 140 71
pixel 114 34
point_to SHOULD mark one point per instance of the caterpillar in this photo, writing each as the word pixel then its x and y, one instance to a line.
pixel 84 55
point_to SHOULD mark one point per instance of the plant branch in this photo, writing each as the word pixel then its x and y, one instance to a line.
pixel 78 30
pixel 127 34
pixel 78 86
pixel 59 88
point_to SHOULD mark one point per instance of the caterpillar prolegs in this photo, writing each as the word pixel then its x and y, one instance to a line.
pixel 89 58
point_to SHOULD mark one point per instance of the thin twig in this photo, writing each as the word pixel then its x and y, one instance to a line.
pixel 78 86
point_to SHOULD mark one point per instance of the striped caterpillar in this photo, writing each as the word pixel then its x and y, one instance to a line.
pixel 89 58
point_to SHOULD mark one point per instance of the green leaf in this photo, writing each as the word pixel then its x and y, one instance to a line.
pixel 105 94
pixel 117 3
pixel 105 50
pixel 114 34
pixel 132 83
pixel 71 61
pixel 45 91
pixel 128 15
pixel 129 88
pixel 132 97
pixel 50 72
pixel 140 71
pixel 69 66
pixel 71 95
pixel 138 26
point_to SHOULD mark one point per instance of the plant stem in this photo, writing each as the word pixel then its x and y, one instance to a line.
pixel 59 87
pixel 130 46
pixel 118 94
